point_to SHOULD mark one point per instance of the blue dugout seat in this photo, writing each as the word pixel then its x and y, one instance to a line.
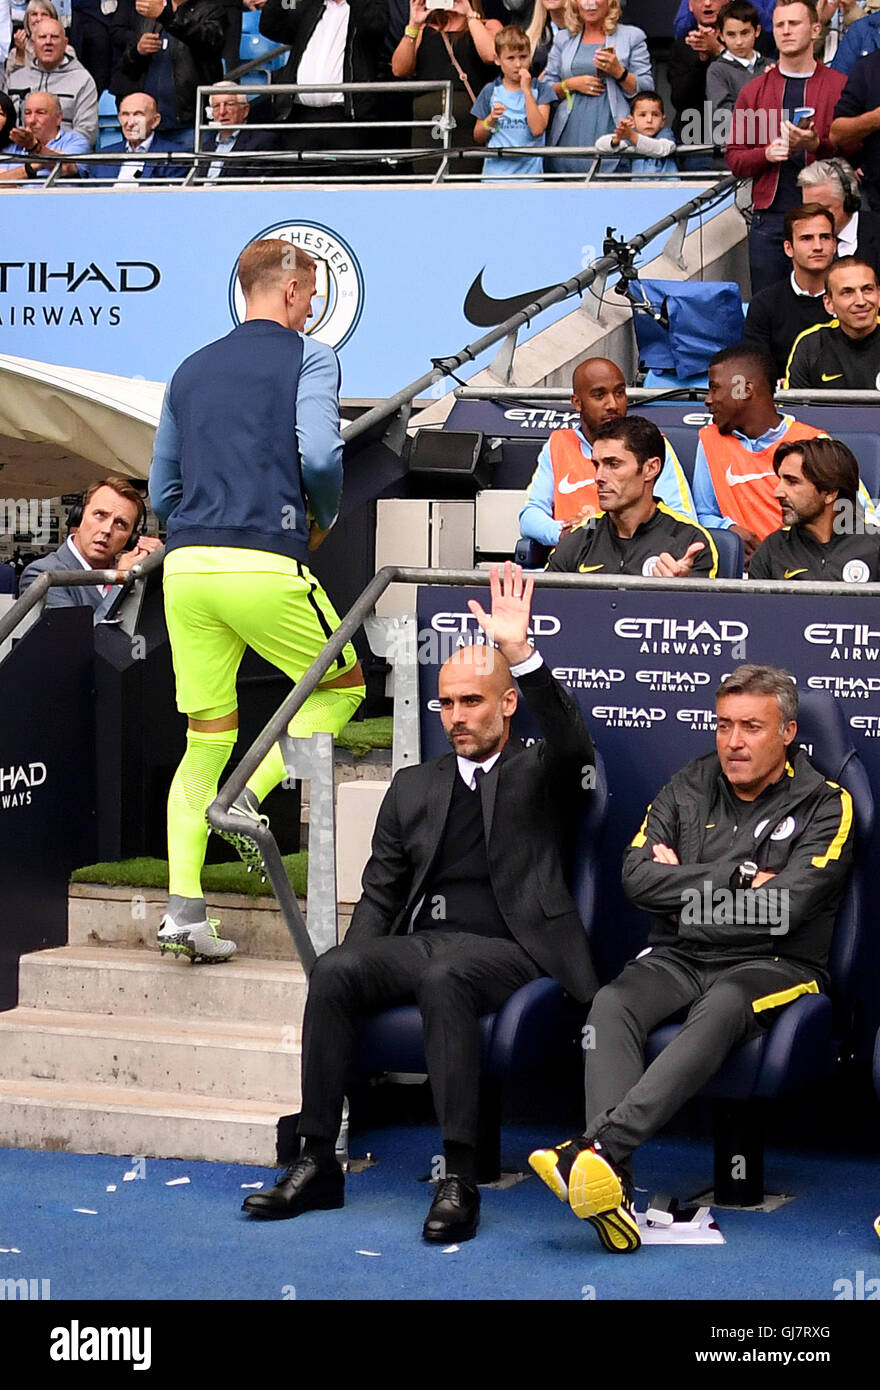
pixel 527 1033
pixel 810 1035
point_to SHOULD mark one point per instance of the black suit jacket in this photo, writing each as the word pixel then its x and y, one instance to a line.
pixel 532 803
pixel 248 140
pixel 868 242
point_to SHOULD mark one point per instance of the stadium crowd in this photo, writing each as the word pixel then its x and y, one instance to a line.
pixel 752 82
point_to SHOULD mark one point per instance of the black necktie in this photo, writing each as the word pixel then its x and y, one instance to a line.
pixel 479 774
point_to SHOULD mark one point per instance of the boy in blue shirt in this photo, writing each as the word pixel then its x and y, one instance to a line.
pixel 513 110
pixel 646 131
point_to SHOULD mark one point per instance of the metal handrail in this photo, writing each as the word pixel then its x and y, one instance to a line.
pixel 218 813
pixel 446 366
pixel 659 393
pixel 51 579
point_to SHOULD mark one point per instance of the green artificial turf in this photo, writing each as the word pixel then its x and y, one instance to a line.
pixel 359 737
pixel 216 878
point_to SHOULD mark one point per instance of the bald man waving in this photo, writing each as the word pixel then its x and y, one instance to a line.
pixel 464 900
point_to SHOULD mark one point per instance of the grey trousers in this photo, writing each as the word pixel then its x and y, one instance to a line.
pixel 626 1102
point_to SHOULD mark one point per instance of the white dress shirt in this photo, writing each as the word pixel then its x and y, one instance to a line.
pixel 848 237
pixel 129 173
pixel 324 54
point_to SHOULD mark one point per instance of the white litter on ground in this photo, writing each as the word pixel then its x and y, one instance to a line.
pixel 111 1188
pixel 130 1177
pixel 177 1182
pixel 255 1185
pixel 86 1211
pixel 450 1249
pixel 375 1253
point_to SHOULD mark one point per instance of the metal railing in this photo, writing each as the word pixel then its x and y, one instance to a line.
pixel 506 333
pixel 322 867
pixel 643 394
pixel 37 592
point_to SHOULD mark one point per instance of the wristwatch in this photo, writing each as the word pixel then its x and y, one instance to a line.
pixel 747 871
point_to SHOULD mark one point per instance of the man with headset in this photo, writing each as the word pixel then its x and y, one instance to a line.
pixel 833 184
pixel 105 533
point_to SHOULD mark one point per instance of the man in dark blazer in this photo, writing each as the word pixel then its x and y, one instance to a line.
pixel 139 120
pixel 112 511
pixel 230 109
pixel 464 901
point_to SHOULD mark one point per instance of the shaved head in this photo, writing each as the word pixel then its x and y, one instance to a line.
pixel 477 699
pixel 598 393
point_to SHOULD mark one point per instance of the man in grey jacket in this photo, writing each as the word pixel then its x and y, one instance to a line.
pixel 112 512
pixel 53 70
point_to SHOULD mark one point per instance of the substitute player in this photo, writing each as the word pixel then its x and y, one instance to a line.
pixel 247 473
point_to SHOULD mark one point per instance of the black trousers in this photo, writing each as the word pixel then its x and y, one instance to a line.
pixel 454 978
pixel 627 1103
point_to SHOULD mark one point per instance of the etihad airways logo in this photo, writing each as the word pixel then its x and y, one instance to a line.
pixel 700 721
pixel 867 724
pixel 542 624
pixel 588 677
pixel 682 637
pixel 16 784
pixel 684 681
pixel 846 687
pixel 628 716
pixel 848 641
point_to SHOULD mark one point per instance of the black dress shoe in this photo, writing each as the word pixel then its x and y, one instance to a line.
pixel 306 1186
pixel 454 1214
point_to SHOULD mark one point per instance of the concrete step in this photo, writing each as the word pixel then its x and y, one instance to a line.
pixel 225 1059
pixel 100 1119
pixel 93 979
pixel 100 915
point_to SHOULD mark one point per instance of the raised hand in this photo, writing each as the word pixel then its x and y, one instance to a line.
pixel 508 623
pixel 667 568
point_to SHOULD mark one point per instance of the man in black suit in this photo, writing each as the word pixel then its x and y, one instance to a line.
pixel 230 108
pixel 464 900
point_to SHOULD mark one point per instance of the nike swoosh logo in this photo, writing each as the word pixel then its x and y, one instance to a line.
pixel 483 311
pixel 734 478
pixel 790 574
pixel 835 376
pixel 588 569
pixel 565 486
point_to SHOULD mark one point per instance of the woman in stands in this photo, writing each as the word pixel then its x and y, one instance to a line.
pixel 456 45
pixel 596 65
pixel 8 119
pixel 546 22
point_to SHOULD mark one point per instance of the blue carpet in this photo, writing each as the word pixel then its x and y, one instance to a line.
pixel 150 1241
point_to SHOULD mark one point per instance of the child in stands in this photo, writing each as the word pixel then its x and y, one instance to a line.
pixel 646 131
pixel 514 109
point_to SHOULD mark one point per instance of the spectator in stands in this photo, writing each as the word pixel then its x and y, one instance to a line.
pixel 688 70
pixel 824 534
pixel 449 917
pixel 42 131
pixel 743 857
pixel 845 352
pixel 175 48
pixel 778 314
pixel 22 48
pixel 112 512
pixel 546 22
pixel 833 183
pixel 139 118
pixel 330 41
pixel 686 20
pixel 54 70
pixel 861 38
pixel 771 150
pixel 230 108
pixel 456 45
pixel 8 577
pixel 513 110
pixel 596 65
pixel 100 33
pixel 739 63
pixel 562 492
pixel 856 125
pixel 644 130
pixel 633 533
pixel 733 469
pixel 8 121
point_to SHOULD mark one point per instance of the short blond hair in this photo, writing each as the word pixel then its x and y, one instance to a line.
pixel 262 264
pixel 574 23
